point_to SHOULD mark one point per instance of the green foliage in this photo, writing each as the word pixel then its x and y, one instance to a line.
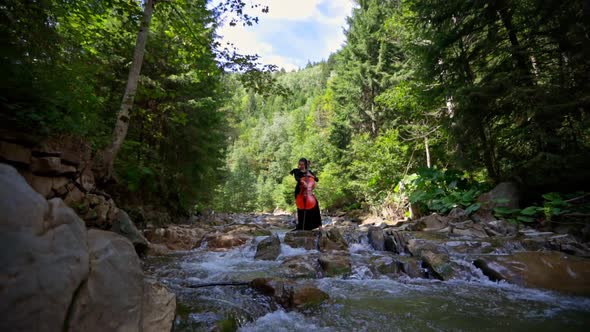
pixel 442 190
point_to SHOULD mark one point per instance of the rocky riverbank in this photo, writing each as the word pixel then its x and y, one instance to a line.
pixel 63 272
pixel 57 275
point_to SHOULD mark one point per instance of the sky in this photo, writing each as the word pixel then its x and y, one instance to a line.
pixel 293 32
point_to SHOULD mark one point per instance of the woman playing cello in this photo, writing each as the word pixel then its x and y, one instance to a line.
pixel 308 208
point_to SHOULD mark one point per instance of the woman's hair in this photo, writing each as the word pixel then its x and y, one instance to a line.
pixel 305 161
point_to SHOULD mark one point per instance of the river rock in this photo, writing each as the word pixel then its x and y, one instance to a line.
pixel 435 257
pixel 411 266
pixel 269 248
pixel 457 215
pixel 376 238
pixel 219 241
pixel 335 264
pixel 176 237
pixel 304 266
pixel 500 228
pixel 111 298
pixel 159 307
pixel 331 239
pixel 124 225
pixel 548 270
pixel 302 239
pixel 468 229
pixel 246 229
pixel 432 222
pixel 396 242
pixel 385 265
pixel 289 294
pixel 43 257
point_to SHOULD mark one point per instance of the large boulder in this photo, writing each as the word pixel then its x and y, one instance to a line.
pixel 43 255
pixel 548 270
pixel 111 298
pixel 124 225
pixel 269 248
pixel 505 194
pixel 331 239
pixel 302 239
pixel 159 307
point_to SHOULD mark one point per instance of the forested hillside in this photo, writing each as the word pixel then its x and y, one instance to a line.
pixel 427 102
pixel 441 99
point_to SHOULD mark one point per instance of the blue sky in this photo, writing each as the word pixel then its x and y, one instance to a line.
pixel 293 32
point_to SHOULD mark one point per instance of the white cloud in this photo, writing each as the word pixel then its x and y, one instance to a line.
pixel 283 15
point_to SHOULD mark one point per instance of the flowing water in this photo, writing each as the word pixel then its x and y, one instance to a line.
pixel 360 302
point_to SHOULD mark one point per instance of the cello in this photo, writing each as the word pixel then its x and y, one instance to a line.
pixel 306 199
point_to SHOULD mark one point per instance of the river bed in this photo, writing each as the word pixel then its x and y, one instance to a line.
pixel 359 302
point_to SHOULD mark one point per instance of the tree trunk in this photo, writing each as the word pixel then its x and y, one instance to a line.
pixel 105 169
pixel 427 147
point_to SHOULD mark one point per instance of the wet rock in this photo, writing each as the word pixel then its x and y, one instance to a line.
pixel 111 298
pixel 159 307
pixel 568 244
pixel 43 257
pixel 336 264
pixel 376 238
pixel 385 266
pixel 225 241
pixel 432 222
pixel 307 296
pixel 176 237
pixel 396 242
pixel 306 266
pixel 540 241
pixel 331 239
pixel 434 256
pixel 289 294
pixel 469 247
pixel 468 229
pixel 547 270
pixel 269 248
pixel 302 239
pixel 123 225
pixel 410 266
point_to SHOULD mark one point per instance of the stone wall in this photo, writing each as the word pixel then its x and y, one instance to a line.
pixel 60 167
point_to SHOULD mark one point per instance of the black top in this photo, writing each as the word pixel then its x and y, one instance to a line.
pixel 298 174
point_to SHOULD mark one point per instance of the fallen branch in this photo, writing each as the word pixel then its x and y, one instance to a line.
pixel 576 198
pixel 214 284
